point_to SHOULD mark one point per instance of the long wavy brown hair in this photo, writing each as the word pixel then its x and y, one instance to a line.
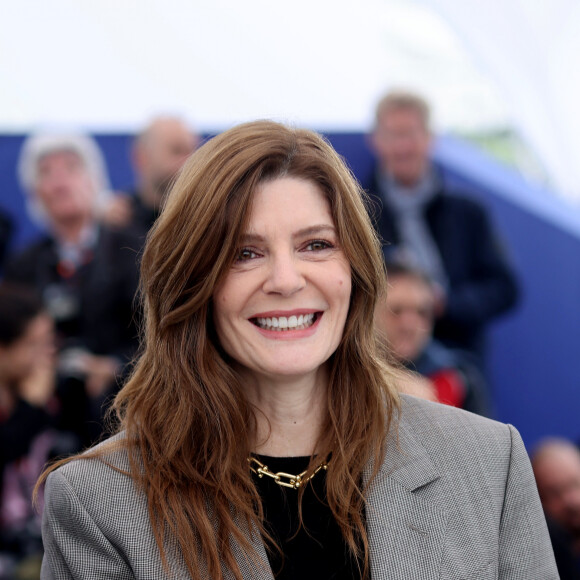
pixel 188 425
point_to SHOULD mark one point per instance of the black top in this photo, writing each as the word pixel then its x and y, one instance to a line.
pixel 316 551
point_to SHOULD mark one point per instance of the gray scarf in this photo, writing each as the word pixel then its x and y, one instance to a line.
pixel 408 204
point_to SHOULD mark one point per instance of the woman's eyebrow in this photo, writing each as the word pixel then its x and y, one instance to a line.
pixel 317 229
pixel 251 238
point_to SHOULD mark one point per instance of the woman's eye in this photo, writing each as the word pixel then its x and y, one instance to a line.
pixel 317 245
pixel 246 254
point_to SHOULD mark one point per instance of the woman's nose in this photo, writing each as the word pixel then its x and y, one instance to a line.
pixel 284 275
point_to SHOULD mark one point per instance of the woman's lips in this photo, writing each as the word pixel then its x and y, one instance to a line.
pixel 299 325
pixel 286 323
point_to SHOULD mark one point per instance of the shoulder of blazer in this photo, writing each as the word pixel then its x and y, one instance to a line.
pixel 87 474
pixel 423 414
pixel 453 438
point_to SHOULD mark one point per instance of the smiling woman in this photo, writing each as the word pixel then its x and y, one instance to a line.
pixel 282 308
pixel 260 434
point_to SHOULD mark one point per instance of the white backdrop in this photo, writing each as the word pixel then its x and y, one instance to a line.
pixel 110 65
pixel 531 50
pixel 323 63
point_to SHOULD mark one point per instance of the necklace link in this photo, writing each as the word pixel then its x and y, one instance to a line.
pixel 282 478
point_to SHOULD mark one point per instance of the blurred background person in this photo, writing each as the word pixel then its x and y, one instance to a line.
pixel 30 415
pixel 556 465
pixel 6 229
pixel 85 271
pixel 406 318
pixel 158 154
pixel 447 236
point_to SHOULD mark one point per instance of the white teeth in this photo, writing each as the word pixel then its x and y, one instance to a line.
pixel 282 323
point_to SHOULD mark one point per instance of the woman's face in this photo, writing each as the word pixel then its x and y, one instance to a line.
pixel 282 308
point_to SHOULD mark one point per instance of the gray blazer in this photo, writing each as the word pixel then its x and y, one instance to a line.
pixel 455 499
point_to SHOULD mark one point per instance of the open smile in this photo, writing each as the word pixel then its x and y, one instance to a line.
pixel 286 323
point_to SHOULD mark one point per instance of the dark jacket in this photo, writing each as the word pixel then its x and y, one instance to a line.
pixel 482 283
pixel 141 218
pixel 6 230
pixel 104 287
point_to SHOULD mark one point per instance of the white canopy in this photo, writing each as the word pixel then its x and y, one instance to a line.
pixel 110 65
pixel 531 50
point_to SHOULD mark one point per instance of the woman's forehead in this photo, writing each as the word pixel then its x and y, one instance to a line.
pixel 288 202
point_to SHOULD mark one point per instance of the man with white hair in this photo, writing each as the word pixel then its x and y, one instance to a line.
pixel 84 270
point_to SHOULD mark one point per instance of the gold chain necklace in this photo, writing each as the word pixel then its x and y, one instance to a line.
pixel 282 478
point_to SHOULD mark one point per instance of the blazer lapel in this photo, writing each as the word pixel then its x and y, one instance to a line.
pixel 406 530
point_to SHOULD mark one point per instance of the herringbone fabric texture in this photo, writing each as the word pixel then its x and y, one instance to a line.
pixel 455 499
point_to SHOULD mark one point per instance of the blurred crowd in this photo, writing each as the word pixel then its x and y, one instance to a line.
pixel 70 313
